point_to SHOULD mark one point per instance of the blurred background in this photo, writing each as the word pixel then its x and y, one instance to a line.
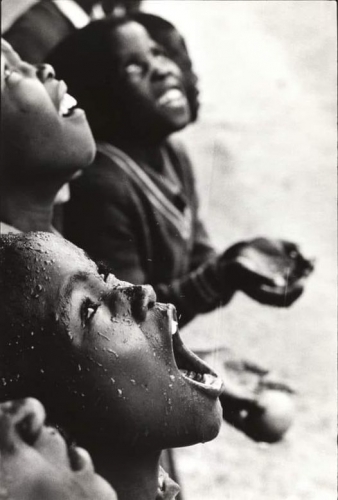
pixel 264 152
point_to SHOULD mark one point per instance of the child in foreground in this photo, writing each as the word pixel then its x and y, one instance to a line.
pixel 104 358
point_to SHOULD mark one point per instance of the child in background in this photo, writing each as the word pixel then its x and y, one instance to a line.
pixel 37 464
pixel 45 140
pixel 136 207
pixel 105 359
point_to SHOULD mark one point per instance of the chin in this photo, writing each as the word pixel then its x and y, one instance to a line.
pixel 210 424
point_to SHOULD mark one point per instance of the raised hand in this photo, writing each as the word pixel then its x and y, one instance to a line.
pixel 269 271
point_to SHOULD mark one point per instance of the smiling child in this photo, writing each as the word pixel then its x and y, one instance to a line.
pixel 104 358
pixel 136 207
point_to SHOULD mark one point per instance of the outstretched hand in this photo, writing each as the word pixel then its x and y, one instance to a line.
pixel 269 271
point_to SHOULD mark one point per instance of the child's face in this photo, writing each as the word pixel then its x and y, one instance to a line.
pixel 119 357
pixel 39 129
pixel 153 92
pixel 36 463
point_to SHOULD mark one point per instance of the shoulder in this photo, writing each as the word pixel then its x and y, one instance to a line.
pixel 40 12
pixel 37 31
pixel 103 178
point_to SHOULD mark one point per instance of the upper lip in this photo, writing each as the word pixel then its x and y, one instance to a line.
pixel 169 84
pixel 60 91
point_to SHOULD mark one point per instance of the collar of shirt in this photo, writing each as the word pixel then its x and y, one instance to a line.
pixel 76 15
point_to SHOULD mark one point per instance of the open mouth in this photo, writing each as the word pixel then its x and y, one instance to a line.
pixel 67 105
pixel 193 369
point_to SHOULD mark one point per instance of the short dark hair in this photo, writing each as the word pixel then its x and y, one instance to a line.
pixel 87 63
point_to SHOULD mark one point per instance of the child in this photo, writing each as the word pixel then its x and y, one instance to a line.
pixel 46 23
pixel 45 139
pixel 104 358
pixel 37 464
pixel 136 207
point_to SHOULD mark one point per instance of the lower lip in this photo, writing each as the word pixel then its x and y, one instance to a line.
pixel 214 390
pixel 174 103
pixel 77 114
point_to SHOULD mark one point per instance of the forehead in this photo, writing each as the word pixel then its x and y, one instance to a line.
pixel 131 37
pixel 8 54
pixel 55 254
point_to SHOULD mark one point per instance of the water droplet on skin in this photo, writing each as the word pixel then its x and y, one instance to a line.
pixel 103 336
pixel 120 392
pixel 112 380
pixel 113 352
pixel 133 381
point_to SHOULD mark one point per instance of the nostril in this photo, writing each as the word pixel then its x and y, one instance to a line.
pixel 45 72
pixel 143 299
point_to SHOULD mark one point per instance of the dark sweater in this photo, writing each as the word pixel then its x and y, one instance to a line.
pixel 134 219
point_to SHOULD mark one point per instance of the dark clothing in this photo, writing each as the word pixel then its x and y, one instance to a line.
pixel 146 226
pixel 38 31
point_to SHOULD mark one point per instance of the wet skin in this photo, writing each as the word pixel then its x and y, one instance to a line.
pixel 35 132
pixel 109 355
pixel 153 98
pixel 36 463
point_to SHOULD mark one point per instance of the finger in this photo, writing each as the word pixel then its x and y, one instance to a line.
pixel 251 274
pixel 281 298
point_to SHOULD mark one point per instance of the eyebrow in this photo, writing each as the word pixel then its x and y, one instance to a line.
pixel 67 290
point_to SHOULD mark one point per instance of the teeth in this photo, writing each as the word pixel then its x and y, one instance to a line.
pixel 174 327
pixel 208 379
pixel 169 96
pixel 67 103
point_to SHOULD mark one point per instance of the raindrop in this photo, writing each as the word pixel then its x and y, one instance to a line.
pixel 113 352
pixel 133 381
pixel 112 380
pixel 120 392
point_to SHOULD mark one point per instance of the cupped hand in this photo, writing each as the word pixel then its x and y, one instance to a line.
pixel 269 271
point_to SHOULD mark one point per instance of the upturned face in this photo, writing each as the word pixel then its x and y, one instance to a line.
pixel 41 127
pixel 36 463
pixel 154 99
pixel 114 355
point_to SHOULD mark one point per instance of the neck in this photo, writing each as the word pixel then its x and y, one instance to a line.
pixel 148 154
pixel 27 207
pixel 133 475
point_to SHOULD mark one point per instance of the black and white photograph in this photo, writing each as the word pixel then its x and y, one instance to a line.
pixel 168 250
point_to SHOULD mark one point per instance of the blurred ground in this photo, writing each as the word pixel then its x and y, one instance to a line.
pixel 265 156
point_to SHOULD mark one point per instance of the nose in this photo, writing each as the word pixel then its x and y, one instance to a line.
pixel 142 299
pixel 45 72
pixel 22 418
pixel 162 67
